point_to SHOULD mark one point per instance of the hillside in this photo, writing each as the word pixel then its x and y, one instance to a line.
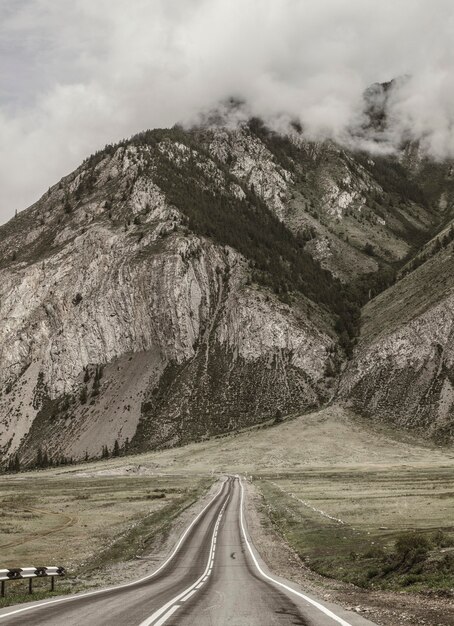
pixel 403 367
pixel 187 282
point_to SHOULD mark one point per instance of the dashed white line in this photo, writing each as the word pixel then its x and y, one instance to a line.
pixel 161 615
pixel 125 585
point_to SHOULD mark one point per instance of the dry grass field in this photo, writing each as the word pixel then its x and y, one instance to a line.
pixel 310 469
pixel 86 523
pixel 330 437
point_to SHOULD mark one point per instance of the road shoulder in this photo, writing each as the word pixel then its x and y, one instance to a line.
pixel 384 608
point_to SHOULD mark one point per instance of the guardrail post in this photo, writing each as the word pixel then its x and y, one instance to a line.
pixel 20 573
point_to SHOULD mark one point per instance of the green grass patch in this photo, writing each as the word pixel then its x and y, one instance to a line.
pixel 367 555
pixel 16 592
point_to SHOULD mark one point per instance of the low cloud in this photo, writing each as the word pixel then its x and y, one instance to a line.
pixel 77 74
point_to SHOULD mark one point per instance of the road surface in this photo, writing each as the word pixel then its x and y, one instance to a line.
pixel 213 577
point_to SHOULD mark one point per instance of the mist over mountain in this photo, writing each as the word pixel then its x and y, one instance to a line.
pixel 100 71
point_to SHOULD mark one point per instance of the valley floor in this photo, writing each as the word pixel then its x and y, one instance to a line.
pixel 329 496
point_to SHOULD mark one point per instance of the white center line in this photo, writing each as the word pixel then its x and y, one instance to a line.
pixel 117 587
pixel 161 615
pixel 191 593
pixel 165 617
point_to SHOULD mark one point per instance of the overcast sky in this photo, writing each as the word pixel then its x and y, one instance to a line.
pixel 76 74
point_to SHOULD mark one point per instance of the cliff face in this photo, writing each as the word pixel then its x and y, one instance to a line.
pixel 184 283
pixel 114 313
pixel 403 368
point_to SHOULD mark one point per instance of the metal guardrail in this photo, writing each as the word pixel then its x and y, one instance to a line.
pixel 30 573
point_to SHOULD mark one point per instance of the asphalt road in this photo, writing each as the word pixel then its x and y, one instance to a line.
pixel 213 577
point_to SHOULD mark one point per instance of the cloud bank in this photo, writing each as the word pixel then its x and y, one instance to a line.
pixel 76 74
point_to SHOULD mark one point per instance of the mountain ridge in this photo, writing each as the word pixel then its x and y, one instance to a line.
pixel 188 282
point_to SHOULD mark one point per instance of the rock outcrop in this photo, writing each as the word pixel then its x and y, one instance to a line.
pixel 184 283
pixel 402 371
pixel 114 313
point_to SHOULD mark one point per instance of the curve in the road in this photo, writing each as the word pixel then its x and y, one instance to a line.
pixel 214 575
pixel 88 594
pixel 266 576
pixel 174 604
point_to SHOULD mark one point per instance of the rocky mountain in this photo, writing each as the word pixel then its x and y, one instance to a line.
pixel 403 367
pixel 187 282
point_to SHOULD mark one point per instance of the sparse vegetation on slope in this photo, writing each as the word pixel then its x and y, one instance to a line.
pixel 166 239
pixel 278 259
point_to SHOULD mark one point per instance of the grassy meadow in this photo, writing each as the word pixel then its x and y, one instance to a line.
pixel 357 503
pixel 381 528
pixel 84 523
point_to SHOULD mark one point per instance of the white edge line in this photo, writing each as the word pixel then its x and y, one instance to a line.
pixel 125 585
pixel 317 605
pixel 149 620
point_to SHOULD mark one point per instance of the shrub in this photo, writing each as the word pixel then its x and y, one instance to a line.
pixel 410 579
pixel 369 249
pixel 375 552
pixel 447 563
pixel 441 539
pixel 83 395
pixel 411 548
